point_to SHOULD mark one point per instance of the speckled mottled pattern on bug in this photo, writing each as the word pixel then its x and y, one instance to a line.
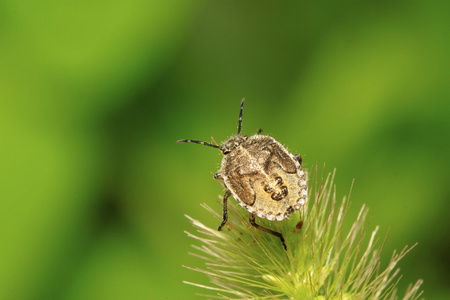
pixel 263 177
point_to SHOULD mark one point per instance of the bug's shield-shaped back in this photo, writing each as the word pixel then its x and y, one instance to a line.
pixel 263 177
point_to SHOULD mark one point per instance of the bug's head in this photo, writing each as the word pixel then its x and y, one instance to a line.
pixel 233 143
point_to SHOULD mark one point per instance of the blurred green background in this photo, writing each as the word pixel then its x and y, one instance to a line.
pixel 94 94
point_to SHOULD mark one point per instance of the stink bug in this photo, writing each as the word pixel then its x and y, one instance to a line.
pixel 262 176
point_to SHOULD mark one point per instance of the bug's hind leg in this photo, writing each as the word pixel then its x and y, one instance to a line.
pixel 275 233
pixel 225 210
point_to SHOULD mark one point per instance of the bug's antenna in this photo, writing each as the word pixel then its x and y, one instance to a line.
pixel 240 116
pixel 199 142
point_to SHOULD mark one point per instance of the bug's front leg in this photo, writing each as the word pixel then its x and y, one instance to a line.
pixel 218 176
pixel 219 179
pixel 225 210
pixel 275 233
pixel 298 158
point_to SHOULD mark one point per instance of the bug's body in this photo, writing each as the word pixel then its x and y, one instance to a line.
pixel 262 176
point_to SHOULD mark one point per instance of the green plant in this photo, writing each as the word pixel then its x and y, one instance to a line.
pixel 322 262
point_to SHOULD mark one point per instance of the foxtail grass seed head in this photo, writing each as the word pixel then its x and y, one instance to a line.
pixel 322 261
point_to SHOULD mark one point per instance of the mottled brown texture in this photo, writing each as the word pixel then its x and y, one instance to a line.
pixel 261 171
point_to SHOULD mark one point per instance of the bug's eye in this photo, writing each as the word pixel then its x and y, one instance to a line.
pixel 225 151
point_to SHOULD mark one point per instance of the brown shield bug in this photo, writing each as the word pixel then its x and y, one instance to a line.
pixel 262 176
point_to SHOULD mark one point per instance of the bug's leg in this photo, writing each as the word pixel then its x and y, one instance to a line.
pixel 277 234
pixel 225 210
pixel 298 158
pixel 259 131
pixel 217 176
